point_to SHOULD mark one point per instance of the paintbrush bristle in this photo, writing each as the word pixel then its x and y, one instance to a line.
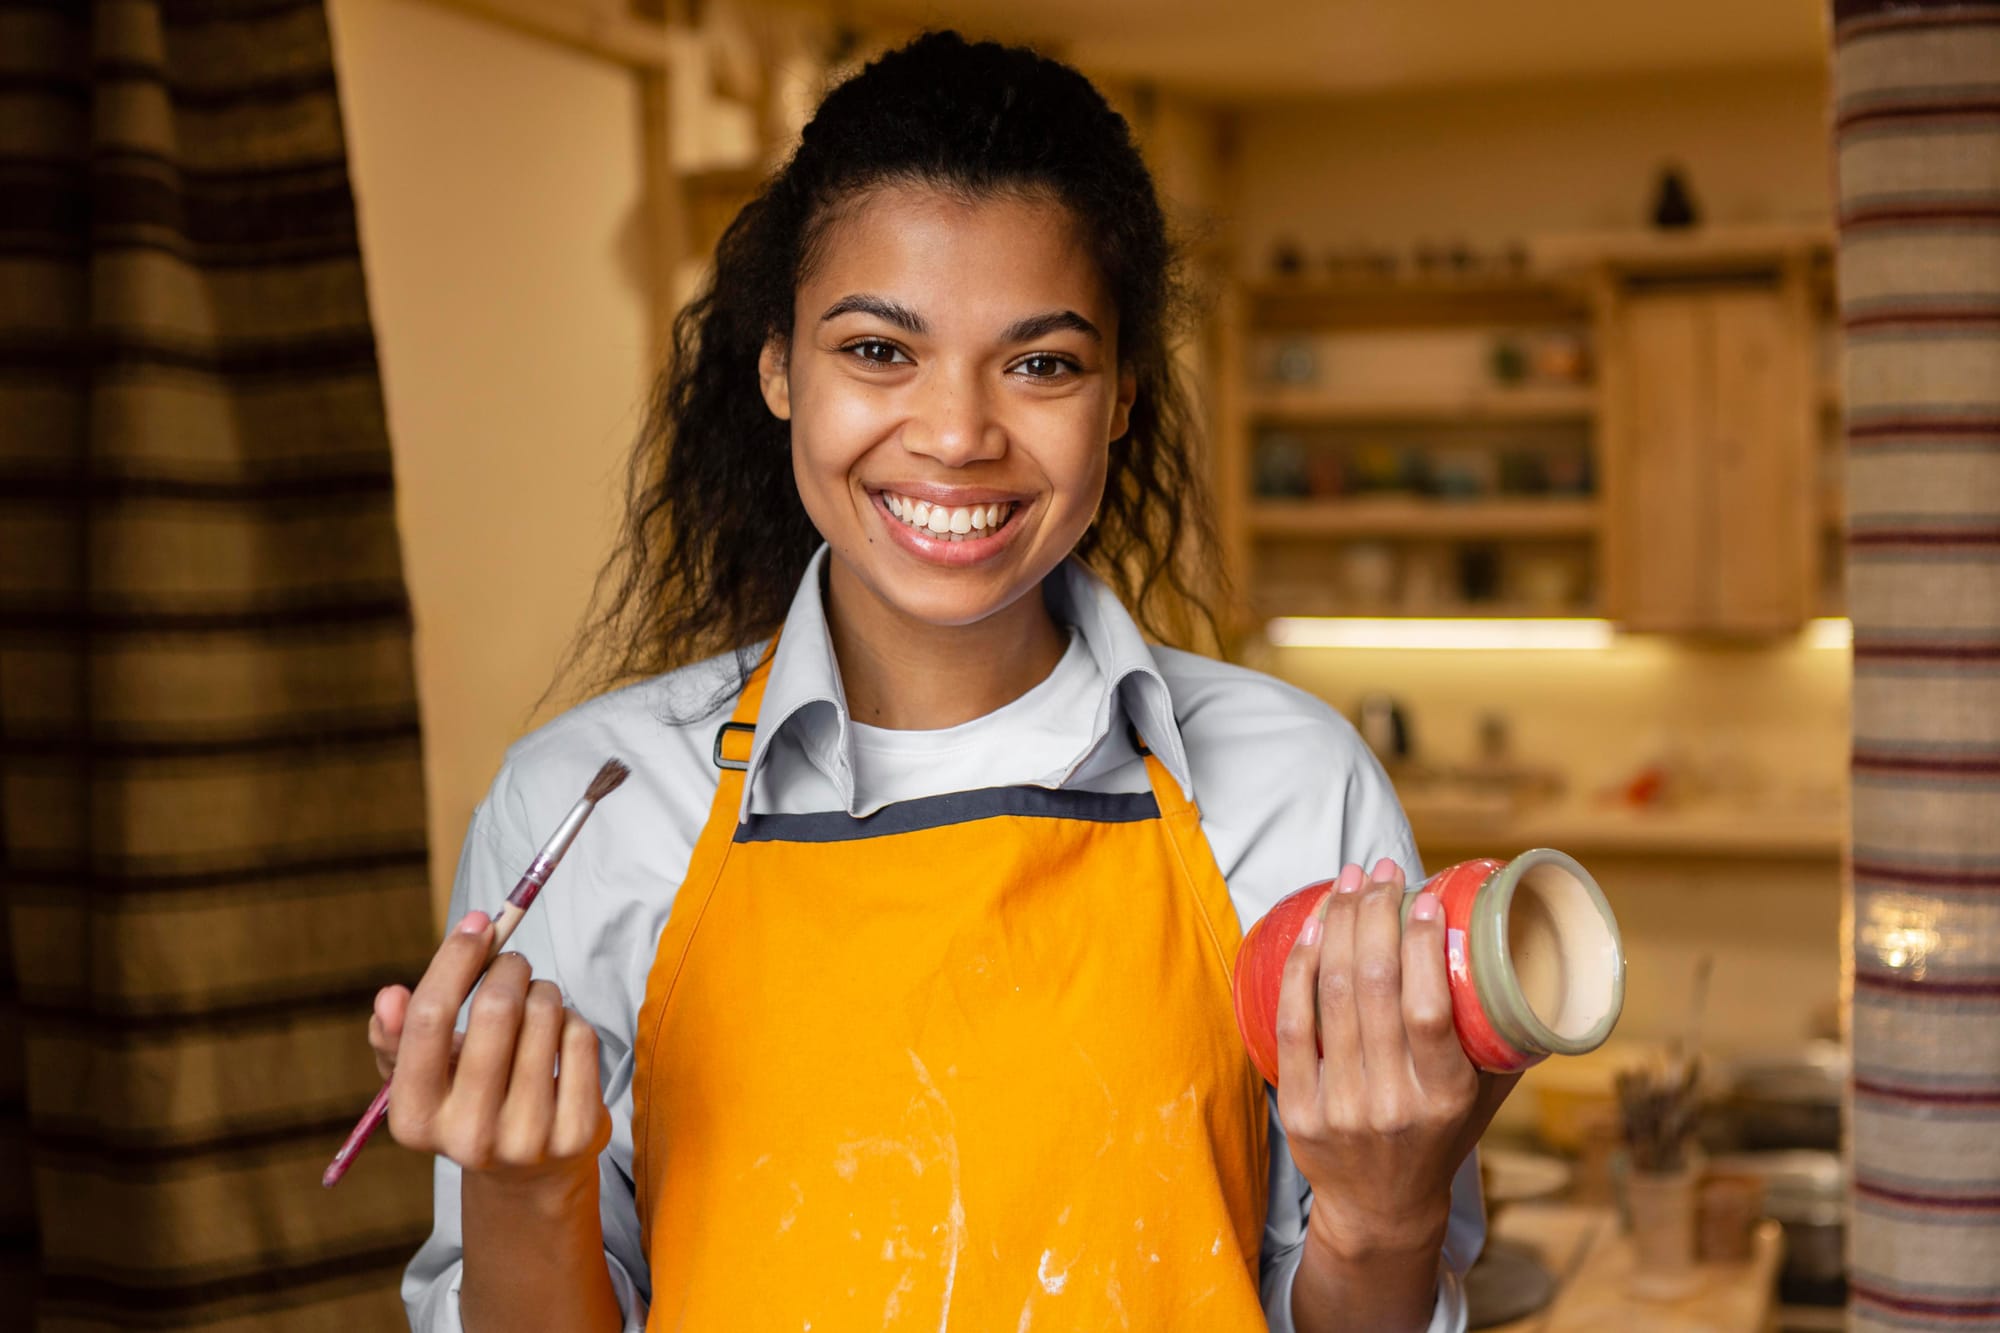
pixel 607 780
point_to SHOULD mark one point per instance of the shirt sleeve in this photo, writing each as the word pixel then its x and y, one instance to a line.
pixel 491 862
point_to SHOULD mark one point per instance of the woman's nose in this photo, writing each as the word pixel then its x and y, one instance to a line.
pixel 953 421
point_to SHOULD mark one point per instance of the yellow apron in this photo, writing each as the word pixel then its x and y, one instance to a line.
pixel 970 1062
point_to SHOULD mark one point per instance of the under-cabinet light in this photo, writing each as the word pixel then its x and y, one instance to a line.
pixel 1480 632
pixel 1485 633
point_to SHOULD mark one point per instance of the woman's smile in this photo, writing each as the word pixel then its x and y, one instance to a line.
pixel 945 528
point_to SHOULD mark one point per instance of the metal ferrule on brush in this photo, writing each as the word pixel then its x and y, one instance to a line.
pixel 551 854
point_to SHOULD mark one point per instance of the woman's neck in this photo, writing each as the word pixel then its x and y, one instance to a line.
pixel 906 675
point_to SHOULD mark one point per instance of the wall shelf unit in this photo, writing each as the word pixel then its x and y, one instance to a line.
pixel 1638 427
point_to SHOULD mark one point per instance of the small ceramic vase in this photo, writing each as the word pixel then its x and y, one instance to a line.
pixel 1531 952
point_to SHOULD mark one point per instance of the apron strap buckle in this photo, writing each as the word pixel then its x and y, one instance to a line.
pixel 722 760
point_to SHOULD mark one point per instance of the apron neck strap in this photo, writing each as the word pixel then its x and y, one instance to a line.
pixel 735 738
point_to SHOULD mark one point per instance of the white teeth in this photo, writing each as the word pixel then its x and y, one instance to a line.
pixel 951 524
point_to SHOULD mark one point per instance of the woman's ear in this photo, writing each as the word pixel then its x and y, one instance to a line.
pixel 773 379
pixel 1121 409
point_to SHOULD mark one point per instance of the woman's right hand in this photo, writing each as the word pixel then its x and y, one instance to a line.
pixel 516 1097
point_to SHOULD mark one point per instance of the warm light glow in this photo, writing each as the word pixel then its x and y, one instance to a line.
pixel 1484 634
pixel 1901 931
pixel 1488 633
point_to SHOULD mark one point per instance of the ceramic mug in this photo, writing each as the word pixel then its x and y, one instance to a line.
pixel 1532 953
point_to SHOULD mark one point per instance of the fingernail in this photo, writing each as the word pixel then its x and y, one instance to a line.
pixel 1425 908
pixel 474 923
pixel 1310 932
pixel 1385 870
pixel 1349 881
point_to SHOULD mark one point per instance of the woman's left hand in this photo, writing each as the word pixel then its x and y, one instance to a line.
pixel 1380 1125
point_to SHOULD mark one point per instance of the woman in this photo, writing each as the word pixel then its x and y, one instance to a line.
pixel 898 972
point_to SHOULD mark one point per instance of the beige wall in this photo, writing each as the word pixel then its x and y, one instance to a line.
pixel 1499 164
pixel 1767 725
pixel 499 189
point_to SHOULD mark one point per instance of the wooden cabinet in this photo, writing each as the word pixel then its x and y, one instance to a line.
pixel 1712 487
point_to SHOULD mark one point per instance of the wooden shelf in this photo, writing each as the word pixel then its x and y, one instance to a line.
pixel 1305 302
pixel 1287 602
pixel 1719 245
pixel 1419 519
pixel 1315 408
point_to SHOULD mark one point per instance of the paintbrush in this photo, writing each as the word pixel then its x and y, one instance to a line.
pixel 518 902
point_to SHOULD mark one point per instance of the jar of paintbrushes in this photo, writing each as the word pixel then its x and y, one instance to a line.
pixel 1662 1176
pixel 1658 1103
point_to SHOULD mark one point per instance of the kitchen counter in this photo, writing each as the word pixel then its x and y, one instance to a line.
pixel 1699 830
pixel 1732 1298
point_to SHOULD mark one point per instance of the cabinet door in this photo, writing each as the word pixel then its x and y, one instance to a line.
pixel 1760 466
pixel 1711 504
pixel 1659 521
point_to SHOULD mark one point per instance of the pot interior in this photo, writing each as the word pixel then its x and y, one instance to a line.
pixel 1564 951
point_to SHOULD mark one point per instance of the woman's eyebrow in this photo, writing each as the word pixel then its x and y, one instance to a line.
pixel 1037 326
pixel 904 318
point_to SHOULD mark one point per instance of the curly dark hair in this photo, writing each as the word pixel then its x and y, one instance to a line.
pixel 715 537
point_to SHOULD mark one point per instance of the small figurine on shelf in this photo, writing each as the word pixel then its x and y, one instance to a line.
pixel 1508 361
pixel 1281 468
pixel 1295 361
pixel 1478 572
pixel 1524 472
pixel 1326 474
pixel 1673 204
pixel 1288 258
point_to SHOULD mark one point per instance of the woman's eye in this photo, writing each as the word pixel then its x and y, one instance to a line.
pixel 1045 367
pixel 876 350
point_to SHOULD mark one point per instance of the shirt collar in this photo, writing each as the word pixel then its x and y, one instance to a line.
pixel 804 694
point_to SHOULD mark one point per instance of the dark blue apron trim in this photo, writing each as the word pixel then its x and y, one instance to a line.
pixel 954 808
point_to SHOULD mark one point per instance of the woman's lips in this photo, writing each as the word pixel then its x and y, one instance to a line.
pixel 951 549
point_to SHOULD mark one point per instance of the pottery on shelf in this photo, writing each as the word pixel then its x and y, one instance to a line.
pixel 1532 955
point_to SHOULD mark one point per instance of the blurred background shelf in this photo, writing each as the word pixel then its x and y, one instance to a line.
pixel 1308 408
pixel 1425 518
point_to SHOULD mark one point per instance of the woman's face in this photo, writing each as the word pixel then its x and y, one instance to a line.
pixel 953 386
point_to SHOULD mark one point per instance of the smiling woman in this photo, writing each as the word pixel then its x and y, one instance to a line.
pixel 916 1011
pixel 952 408
pixel 901 204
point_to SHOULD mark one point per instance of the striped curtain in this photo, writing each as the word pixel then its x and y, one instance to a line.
pixel 212 844
pixel 1917 148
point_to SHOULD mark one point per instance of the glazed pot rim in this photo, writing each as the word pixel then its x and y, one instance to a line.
pixel 1503 883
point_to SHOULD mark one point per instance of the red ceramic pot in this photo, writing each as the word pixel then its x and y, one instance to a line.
pixel 1532 956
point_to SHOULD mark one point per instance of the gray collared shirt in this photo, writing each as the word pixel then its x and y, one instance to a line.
pixel 1287 792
